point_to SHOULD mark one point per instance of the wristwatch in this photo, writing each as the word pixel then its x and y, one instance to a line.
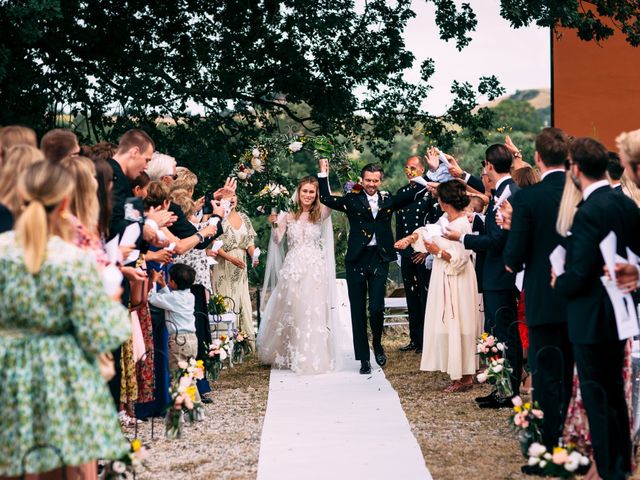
pixel 439 254
pixel 200 237
pixel 518 154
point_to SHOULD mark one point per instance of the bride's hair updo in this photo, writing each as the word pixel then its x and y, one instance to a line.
pixel 315 213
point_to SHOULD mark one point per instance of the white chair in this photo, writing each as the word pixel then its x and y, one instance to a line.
pixel 396 311
pixel 228 319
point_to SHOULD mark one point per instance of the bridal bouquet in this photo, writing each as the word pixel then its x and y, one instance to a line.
pixel 498 373
pixel 183 392
pixel 128 465
pixel 526 419
pixel 241 346
pixel 274 197
pixel 564 462
pixel 217 305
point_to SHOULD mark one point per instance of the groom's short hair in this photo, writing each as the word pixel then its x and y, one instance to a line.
pixel 373 168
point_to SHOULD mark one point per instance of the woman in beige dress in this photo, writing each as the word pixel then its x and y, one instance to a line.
pixel 230 277
pixel 452 319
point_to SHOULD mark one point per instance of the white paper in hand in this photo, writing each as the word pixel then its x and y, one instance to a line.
pixel 520 280
pixel 131 234
pixel 170 247
pixel 624 309
pixel 506 193
pixel 216 245
pixel 632 257
pixel 608 248
pixel 443 158
pixel 557 259
pixel 255 257
pixel 113 252
pixel 111 279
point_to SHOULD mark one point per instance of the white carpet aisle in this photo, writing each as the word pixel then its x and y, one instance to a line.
pixel 336 426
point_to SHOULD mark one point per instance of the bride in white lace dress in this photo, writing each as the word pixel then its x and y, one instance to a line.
pixel 299 327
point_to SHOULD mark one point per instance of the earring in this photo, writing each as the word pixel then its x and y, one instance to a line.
pixel 65 215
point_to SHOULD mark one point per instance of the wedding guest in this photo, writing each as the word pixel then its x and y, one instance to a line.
pixel 104 179
pixel 230 278
pixel 592 324
pixel 59 143
pixel 55 319
pixel 499 292
pixel 415 274
pixel 619 180
pixel 525 176
pixel 12 135
pixel 531 240
pixel 140 184
pixel 628 144
pixel 16 160
pixel 452 319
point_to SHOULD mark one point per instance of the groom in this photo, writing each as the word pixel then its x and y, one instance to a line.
pixel 369 251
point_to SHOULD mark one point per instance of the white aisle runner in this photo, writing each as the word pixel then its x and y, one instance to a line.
pixel 336 426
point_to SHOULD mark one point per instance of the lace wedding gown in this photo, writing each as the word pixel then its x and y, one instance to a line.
pixel 296 329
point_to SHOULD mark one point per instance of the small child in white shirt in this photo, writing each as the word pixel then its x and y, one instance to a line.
pixel 178 303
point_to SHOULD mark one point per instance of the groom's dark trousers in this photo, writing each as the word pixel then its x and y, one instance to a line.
pixel 367 276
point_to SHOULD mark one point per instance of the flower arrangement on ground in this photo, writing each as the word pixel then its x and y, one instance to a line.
pixel 241 346
pixel 526 419
pixel 217 352
pixel 217 305
pixel 129 465
pixel 498 373
pixel 487 346
pixel 183 392
pixel 563 462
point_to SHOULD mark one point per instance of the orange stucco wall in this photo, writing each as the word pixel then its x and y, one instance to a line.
pixel 596 87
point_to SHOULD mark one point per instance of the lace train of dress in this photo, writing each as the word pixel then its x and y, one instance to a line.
pixel 296 329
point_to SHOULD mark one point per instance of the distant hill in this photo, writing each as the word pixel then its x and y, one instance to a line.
pixel 539 98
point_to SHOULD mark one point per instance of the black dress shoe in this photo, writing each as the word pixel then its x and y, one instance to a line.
pixel 408 347
pixel 486 398
pixel 381 358
pixel 206 400
pixel 496 403
pixel 365 367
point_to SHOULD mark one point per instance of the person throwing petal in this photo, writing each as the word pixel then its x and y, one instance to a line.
pixel 369 251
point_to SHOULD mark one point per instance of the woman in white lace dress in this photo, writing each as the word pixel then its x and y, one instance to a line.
pixel 296 330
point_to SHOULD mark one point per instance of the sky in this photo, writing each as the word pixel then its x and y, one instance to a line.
pixel 520 59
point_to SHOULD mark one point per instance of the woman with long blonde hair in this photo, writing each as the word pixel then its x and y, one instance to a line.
pixel 571 196
pixel 300 329
pixel 55 319
pixel 17 159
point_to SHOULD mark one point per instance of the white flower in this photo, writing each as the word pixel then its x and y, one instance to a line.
pixel 481 377
pixel 533 461
pixel 118 467
pixel 295 147
pixel 255 152
pixel 536 449
pixel 256 164
pixel 542 463
pixel 498 368
pixel 571 466
pixel 500 346
pixel 223 354
pixel 517 401
pixel 584 460
pixel 547 456
pixel 182 364
pixel 500 361
pixel 242 175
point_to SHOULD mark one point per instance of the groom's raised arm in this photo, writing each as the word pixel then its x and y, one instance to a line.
pixel 331 201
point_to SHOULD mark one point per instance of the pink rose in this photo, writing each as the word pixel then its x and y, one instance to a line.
pixel 537 413
pixel 517 401
pixel 188 403
pixel 179 400
pixel 560 457
pixel 491 341
pixel 524 424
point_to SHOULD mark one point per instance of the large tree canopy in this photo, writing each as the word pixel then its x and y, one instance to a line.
pixel 251 65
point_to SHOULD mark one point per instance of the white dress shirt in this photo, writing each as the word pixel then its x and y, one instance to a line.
pixel 549 172
pixel 373 204
pixel 593 187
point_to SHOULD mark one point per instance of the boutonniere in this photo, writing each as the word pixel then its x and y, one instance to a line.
pixel 384 194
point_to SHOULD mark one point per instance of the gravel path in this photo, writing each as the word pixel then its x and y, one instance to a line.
pixel 226 444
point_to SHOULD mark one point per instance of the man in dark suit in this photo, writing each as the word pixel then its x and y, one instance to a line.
pixel 369 251
pixel 499 290
pixel 597 348
pixel 531 240
pixel 415 274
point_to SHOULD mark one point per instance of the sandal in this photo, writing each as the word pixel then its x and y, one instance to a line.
pixel 457 386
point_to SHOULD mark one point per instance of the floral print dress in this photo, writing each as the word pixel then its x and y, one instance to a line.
pixel 231 281
pixel 53 324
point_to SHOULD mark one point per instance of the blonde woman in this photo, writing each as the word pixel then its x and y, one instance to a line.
pixel 16 159
pixel 55 319
pixel 13 135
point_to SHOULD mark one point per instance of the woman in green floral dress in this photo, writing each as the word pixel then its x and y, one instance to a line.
pixel 55 318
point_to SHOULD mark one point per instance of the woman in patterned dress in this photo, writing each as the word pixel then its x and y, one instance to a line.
pixel 56 412
pixel 230 277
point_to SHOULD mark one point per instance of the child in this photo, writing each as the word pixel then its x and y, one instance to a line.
pixel 178 304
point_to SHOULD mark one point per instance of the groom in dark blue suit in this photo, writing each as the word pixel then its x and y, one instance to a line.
pixel 369 251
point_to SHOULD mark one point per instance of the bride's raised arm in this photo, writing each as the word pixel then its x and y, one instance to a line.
pixel 279 227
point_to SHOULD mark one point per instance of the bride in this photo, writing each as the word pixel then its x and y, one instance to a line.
pixel 300 326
